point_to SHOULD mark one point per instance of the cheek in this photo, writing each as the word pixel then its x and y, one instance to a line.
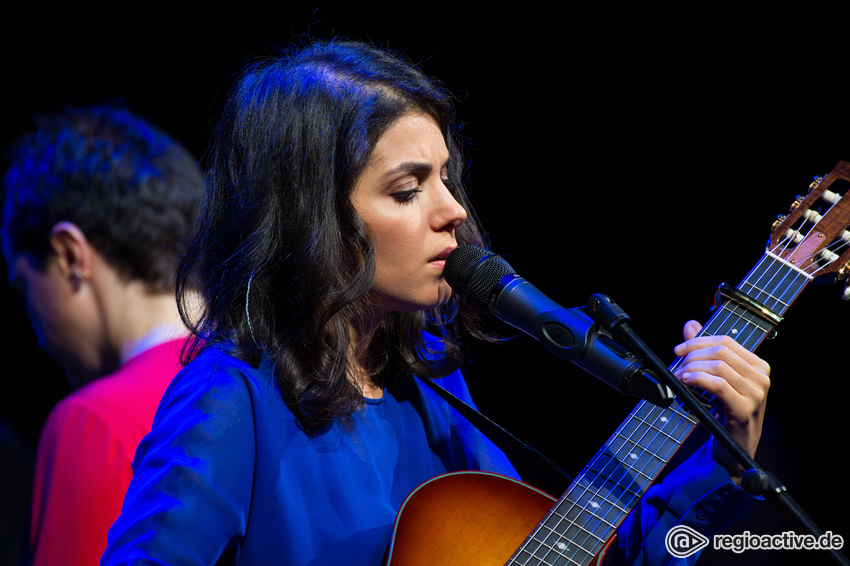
pixel 399 242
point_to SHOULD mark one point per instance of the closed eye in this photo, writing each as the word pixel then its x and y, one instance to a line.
pixel 406 196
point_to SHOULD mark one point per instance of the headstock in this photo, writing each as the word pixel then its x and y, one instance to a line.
pixel 814 236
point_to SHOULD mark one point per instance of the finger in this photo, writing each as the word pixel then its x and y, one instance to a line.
pixel 747 379
pixel 750 367
pixel 691 329
pixel 721 347
pixel 720 379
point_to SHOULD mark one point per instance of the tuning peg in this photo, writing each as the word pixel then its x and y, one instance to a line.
pixel 815 182
pixel 842 274
pixel 797 202
pixel 779 219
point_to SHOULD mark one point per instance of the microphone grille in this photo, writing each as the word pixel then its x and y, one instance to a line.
pixel 474 272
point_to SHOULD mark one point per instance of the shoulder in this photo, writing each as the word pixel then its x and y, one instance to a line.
pixel 141 378
pixel 131 394
pixel 117 408
pixel 218 386
pixel 215 369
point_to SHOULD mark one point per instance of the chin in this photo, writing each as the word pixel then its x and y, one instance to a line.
pixel 433 300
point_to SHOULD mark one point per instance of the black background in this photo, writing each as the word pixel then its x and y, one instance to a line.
pixel 639 154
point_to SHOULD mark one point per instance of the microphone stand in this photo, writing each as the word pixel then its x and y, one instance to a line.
pixel 755 480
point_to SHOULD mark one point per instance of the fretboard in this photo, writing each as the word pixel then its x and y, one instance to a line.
pixel 608 488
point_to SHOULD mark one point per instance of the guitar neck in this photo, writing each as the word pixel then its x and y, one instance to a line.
pixel 607 489
pixel 812 240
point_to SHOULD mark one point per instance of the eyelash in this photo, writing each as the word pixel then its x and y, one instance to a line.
pixel 405 197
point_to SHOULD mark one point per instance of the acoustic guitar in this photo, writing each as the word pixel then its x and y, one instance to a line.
pixel 482 519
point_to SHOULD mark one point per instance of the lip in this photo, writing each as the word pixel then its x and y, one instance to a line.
pixel 441 257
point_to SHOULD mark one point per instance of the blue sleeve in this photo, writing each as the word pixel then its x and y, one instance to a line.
pixel 698 494
pixel 189 497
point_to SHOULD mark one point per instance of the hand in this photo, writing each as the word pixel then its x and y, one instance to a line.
pixel 737 377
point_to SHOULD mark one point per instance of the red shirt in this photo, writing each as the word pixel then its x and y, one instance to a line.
pixel 85 456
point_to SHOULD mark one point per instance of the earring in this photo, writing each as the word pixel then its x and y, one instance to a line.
pixel 79 276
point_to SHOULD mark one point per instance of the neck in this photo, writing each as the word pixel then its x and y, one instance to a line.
pixel 137 320
pixel 157 335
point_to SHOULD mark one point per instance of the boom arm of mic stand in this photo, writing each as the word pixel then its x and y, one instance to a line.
pixel 755 480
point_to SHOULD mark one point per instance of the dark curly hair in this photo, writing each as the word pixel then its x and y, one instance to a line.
pixel 131 189
pixel 295 134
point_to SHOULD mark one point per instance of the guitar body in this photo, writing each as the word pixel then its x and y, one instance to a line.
pixel 466 518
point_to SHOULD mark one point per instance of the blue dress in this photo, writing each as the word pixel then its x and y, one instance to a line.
pixel 227 474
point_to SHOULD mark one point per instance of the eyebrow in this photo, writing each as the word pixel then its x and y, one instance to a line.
pixel 411 167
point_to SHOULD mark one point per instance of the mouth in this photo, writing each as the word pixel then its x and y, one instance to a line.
pixel 440 259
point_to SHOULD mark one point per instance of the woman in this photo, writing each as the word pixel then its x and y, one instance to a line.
pixel 297 431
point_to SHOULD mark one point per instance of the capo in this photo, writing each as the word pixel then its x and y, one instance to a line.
pixel 728 292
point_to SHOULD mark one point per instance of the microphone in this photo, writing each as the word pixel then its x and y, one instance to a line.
pixel 487 282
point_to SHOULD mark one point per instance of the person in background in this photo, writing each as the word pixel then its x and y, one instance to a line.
pixel 97 205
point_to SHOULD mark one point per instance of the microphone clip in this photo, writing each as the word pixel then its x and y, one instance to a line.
pixel 609 319
pixel 572 334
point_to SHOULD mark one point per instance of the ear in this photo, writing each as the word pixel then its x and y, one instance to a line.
pixel 74 252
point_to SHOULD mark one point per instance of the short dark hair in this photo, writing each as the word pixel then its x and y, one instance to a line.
pixel 130 188
pixel 295 134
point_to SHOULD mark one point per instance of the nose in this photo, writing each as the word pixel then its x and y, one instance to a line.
pixel 448 214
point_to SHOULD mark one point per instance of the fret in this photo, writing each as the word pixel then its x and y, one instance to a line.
pixel 620 473
pixel 545 541
pixel 639 426
pixel 555 534
pixel 590 505
pixel 786 280
pixel 555 550
pixel 576 502
pixel 580 519
pixel 637 456
pixel 614 466
pixel 787 265
pixel 578 556
pixel 739 316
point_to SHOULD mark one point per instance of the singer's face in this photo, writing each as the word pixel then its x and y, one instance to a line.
pixel 411 215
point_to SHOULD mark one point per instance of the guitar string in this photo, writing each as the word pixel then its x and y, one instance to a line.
pixel 783 285
pixel 657 464
pixel 794 287
pixel 819 261
pixel 840 243
pixel 761 294
pixel 653 454
pixel 645 464
pixel 672 446
pixel 843 238
pixel 790 271
pixel 814 222
pixel 634 495
pixel 805 218
pixel 649 427
pixel 757 287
